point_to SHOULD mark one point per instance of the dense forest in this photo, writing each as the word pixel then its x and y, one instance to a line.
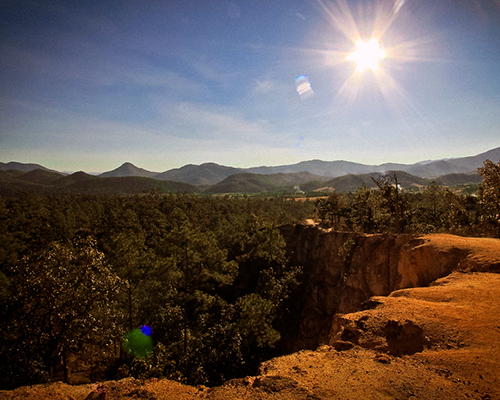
pixel 196 289
pixel 209 276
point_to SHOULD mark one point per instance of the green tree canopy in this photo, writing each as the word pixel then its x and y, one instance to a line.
pixel 490 193
pixel 63 298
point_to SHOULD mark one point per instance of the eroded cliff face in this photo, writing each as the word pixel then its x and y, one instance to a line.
pixel 369 265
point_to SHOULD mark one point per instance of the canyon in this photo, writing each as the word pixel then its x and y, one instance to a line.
pixel 343 270
pixel 379 316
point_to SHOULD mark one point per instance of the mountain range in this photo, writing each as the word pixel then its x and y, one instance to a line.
pixel 211 173
pixel 212 178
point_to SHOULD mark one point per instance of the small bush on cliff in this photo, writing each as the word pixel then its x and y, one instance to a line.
pixel 489 193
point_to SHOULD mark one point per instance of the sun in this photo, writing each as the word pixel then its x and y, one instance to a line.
pixel 356 37
pixel 367 55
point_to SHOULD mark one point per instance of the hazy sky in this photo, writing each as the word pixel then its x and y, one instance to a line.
pixel 90 84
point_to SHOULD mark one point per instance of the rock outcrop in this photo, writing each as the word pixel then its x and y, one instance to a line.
pixel 343 270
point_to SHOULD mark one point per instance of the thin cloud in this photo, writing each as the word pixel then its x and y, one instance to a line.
pixel 263 86
pixel 198 120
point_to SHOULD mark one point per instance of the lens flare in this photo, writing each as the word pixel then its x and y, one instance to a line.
pixel 138 342
pixel 146 330
pixel 304 88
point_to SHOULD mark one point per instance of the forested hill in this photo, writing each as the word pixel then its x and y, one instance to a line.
pixel 256 183
pixel 44 182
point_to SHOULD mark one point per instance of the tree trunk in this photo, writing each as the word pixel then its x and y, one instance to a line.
pixel 130 318
pixel 65 367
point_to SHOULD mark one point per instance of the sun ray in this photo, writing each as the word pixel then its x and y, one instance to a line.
pixel 418 50
pixel 348 92
pixel 400 103
pixel 342 19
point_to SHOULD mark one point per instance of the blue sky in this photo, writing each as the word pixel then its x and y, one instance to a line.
pixel 88 85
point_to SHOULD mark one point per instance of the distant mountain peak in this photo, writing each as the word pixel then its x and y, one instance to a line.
pixel 13 165
pixel 205 174
pixel 128 169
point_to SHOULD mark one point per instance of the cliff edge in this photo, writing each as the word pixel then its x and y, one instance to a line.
pixel 391 317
